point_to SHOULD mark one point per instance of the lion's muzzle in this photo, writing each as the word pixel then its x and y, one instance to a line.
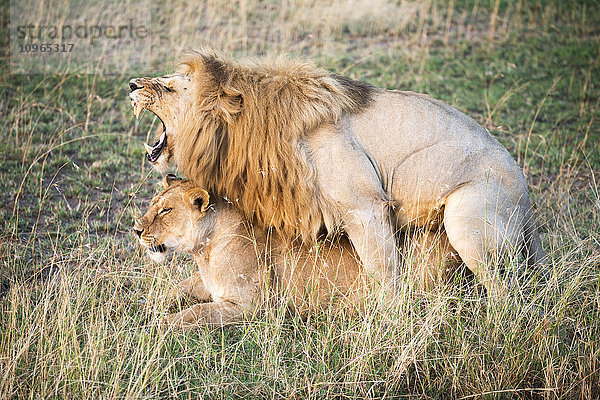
pixel 133 85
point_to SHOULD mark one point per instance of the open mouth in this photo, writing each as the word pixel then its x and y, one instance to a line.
pixel 154 151
pixel 161 248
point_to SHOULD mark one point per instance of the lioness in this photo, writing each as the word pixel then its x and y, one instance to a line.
pixel 297 148
pixel 236 261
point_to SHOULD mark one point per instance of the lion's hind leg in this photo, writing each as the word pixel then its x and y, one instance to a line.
pixel 532 249
pixel 484 223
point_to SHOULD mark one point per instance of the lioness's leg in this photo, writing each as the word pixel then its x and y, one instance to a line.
pixel 215 313
pixel 483 224
pixel 193 286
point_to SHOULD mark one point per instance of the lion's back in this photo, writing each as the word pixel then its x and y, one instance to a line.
pixel 428 149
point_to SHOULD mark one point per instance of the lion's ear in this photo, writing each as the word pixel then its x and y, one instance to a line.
pixel 228 100
pixel 198 197
pixel 229 103
pixel 169 179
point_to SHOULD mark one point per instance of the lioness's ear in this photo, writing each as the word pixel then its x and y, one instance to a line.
pixel 198 197
pixel 169 179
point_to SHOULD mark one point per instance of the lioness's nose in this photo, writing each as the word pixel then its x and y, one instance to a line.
pixel 133 85
pixel 137 232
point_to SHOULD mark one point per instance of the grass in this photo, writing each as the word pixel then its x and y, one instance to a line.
pixel 73 177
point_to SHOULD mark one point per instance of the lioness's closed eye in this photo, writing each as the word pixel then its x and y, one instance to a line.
pixel 234 259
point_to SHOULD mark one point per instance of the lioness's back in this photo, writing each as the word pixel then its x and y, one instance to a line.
pixel 314 275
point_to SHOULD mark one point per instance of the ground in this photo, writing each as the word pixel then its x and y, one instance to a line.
pixel 79 301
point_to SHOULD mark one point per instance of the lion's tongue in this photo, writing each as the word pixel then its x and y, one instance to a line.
pixel 157 148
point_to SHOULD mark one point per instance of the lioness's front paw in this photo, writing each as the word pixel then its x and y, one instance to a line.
pixel 177 303
pixel 165 324
pixel 173 321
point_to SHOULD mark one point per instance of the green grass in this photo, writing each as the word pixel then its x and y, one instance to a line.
pixel 73 177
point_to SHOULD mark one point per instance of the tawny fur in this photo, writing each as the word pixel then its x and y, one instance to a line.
pixel 298 149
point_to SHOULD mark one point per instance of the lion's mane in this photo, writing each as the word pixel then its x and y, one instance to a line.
pixel 244 141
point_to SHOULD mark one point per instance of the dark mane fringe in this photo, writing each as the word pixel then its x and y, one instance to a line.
pixel 244 142
pixel 360 92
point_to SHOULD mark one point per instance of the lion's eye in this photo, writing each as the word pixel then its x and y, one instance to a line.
pixel 164 211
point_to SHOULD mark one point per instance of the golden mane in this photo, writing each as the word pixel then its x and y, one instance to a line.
pixel 243 141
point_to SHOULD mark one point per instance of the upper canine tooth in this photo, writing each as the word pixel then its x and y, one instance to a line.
pixel 148 148
pixel 137 111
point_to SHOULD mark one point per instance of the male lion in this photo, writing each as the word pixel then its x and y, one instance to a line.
pixel 297 148
pixel 237 262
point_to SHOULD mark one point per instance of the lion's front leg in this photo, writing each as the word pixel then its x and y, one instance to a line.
pixel 354 198
pixel 215 313
pixel 371 234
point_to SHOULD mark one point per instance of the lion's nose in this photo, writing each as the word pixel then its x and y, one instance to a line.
pixel 133 85
pixel 137 232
